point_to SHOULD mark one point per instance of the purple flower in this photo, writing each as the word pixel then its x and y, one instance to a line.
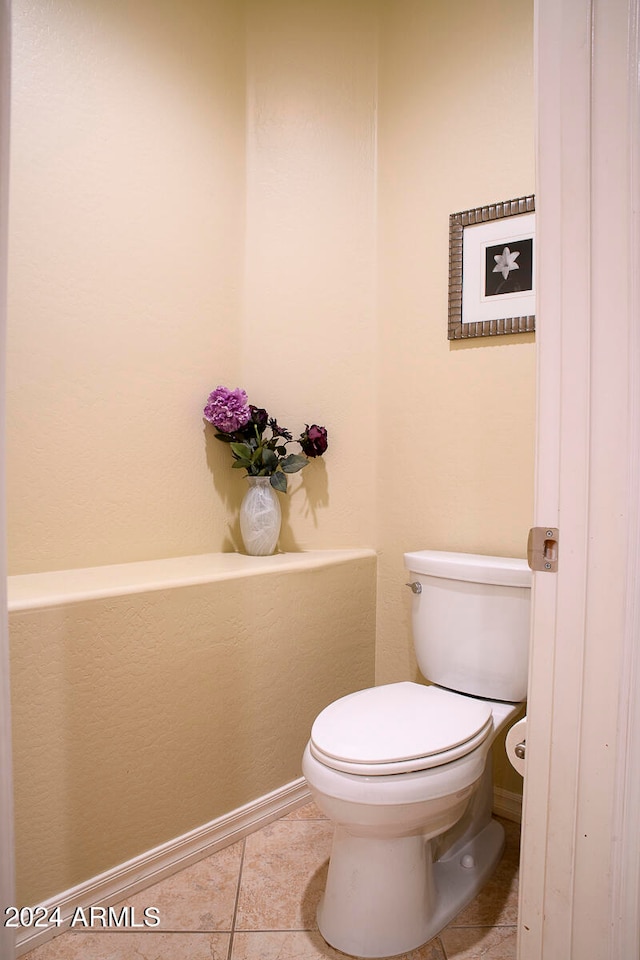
pixel 314 440
pixel 228 410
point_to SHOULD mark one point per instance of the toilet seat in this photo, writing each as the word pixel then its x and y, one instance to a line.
pixel 398 728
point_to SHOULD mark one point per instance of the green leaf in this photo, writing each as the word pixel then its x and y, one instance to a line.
pixel 242 450
pixel 279 481
pixel 294 462
pixel 240 464
pixel 269 458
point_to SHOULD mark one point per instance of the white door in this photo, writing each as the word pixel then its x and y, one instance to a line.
pixel 581 860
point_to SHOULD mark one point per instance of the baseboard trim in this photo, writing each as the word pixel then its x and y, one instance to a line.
pixel 161 862
pixel 507 804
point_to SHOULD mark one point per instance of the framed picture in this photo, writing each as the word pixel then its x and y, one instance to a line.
pixel 492 270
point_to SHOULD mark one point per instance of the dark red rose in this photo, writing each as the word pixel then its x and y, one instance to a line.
pixel 259 416
pixel 314 440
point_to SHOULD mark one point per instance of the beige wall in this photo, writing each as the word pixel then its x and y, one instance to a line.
pixel 156 712
pixel 125 272
pixel 309 334
pixel 456 421
pixel 165 239
pixel 263 203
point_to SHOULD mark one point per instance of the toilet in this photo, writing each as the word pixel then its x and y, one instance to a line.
pixel 404 769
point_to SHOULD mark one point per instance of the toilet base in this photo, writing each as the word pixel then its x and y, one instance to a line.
pixel 402 899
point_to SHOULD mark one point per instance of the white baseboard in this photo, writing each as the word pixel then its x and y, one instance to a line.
pixel 507 804
pixel 128 878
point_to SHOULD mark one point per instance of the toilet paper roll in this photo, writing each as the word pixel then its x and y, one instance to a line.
pixel 516 735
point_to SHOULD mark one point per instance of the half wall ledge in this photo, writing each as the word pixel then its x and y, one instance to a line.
pixel 56 587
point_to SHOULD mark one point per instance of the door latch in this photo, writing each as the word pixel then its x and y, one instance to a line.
pixel 542 549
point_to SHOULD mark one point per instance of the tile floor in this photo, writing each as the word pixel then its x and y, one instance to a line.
pixel 256 900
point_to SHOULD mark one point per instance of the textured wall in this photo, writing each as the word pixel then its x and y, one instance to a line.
pixel 146 715
pixel 125 271
pixel 309 335
pixel 193 203
pixel 263 203
pixel 456 421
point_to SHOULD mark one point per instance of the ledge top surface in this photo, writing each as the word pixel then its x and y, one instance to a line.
pixel 57 587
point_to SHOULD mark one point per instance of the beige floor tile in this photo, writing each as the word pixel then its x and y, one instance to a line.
pixel 429 951
pixel 310 811
pixel 134 946
pixel 283 875
pixel 200 897
pixel 480 943
pixel 308 945
pixel 289 945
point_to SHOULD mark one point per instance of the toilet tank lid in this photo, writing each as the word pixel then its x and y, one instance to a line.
pixel 477 568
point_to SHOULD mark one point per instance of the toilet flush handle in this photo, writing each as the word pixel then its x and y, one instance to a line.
pixel 416 587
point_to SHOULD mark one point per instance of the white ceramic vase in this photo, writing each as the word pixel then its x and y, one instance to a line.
pixel 260 517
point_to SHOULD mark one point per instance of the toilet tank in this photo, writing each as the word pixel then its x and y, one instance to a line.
pixel 471 622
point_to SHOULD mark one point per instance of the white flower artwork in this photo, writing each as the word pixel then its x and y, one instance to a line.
pixel 506 262
pixel 492 269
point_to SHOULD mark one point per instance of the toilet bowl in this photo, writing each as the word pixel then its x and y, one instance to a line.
pixel 389 887
pixel 404 770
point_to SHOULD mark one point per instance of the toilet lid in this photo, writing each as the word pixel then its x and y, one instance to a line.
pixel 405 726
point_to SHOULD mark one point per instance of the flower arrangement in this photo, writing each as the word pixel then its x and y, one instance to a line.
pixel 258 443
